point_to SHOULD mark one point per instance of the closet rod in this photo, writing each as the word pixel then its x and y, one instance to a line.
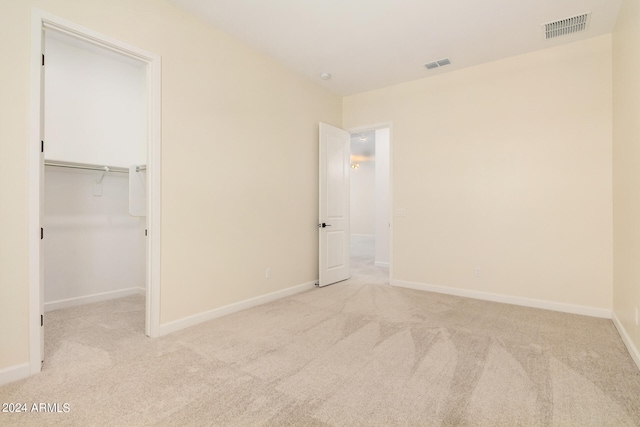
pixel 86 166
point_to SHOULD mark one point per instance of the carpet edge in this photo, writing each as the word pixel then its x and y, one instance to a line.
pixel 507 299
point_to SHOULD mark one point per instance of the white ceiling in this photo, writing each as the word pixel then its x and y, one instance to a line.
pixel 370 44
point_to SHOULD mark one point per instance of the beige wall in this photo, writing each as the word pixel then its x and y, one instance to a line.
pixel 626 168
pixel 505 167
pixel 239 159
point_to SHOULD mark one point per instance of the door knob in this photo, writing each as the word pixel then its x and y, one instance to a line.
pixel 323 225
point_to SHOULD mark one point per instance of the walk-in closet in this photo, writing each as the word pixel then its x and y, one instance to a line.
pixel 95 148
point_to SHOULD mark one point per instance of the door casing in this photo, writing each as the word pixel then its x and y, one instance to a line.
pixel 41 21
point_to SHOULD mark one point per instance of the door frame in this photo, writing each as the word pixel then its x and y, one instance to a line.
pixel 41 20
pixel 384 125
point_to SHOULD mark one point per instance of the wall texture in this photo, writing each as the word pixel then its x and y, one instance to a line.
pixel 626 168
pixel 239 161
pixel 504 169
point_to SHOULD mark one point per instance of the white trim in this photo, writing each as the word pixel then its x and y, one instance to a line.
pixel 376 126
pixel 89 299
pixel 41 20
pixel 508 299
pixel 154 195
pixel 33 171
pixel 626 339
pixel 186 322
pixel 381 264
pixel 61 25
pixel 36 276
pixel 14 373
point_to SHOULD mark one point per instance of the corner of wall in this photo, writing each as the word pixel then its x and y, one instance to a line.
pixel 626 339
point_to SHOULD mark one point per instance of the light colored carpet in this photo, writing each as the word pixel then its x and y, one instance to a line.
pixel 358 353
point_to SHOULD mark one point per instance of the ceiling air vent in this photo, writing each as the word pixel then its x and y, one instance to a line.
pixel 438 63
pixel 566 26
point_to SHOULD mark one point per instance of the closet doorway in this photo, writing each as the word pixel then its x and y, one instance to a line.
pixel 370 201
pixel 96 195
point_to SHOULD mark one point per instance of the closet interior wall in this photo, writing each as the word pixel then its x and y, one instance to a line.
pixel 95 113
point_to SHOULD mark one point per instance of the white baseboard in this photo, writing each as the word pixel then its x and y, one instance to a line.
pixel 633 350
pixel 179 324
pixel 14 373
pixel 381 264
pixel 88 299
pixel 507 299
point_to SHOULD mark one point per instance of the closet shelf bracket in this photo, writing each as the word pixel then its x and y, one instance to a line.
pixel 99 180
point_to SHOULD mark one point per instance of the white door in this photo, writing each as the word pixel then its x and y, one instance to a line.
pixel 333 224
